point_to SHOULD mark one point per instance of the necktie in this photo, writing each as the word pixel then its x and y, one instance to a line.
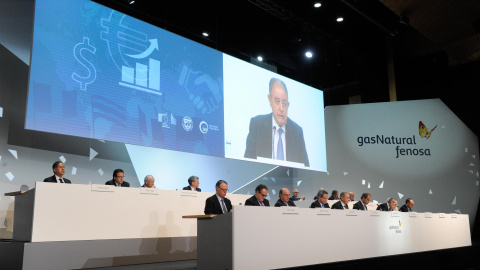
pixel 280 145
pixel 346 206
pixel 364 206
pixel 261 204
pixel 60 179
pixel 286 203
pixel 323 206
pixel 224 208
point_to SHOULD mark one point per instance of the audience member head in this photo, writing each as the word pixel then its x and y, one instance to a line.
pixel 352 196
pixel 193 181
pixel 284 194
pixel 261 192
pixel 335 194
pixel 366 197
pixel 149 181
pixel 58 168
pixel 345 197
pixel 221 188
pixel 409 203
pixel 322 196
pixel 392 204
pixel 118 176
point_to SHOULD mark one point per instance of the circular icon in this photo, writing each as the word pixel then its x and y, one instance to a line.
pixel 203 127
pixel 187 123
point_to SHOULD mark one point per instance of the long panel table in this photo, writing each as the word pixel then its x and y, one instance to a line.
pixel 272 238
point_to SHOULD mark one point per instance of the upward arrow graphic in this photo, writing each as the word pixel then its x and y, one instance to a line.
pixel 153 46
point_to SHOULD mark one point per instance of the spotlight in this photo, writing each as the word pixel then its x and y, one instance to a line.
pixel 259 58
pixel 317 4
pixel 308 54
pixel 131 2
pixel 340 19
pixel 205 34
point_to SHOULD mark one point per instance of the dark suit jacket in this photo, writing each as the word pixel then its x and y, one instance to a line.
pixel 316 204
pixel 259 140
pixel 212 205
pixel 281 203
pixel 382 207
pixel 359 206
pixel 52 179
pixel 404 208
pixel 337 205
pixel 331 198
pixel 189 188
pixel 254 202
pixel 112 183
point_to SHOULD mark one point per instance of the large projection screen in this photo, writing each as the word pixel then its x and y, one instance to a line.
pixel 100 74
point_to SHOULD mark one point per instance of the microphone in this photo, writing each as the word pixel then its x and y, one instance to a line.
pixel 273 142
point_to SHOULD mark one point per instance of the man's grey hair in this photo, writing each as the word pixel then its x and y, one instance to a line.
pixel 391 199
pixel 274 81
pixel 147 177
pixel 342 195
pixel 321 193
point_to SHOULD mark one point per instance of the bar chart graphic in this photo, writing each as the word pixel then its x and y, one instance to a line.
pixel 143 77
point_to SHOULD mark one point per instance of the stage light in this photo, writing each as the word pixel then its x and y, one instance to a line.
pixel 317 4
pixel 131 2
pixel 205 34
pixel 259 58
pixel 309 54
pixel 340 19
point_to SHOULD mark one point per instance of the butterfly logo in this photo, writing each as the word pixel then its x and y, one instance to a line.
pixel 399 223
pixel 423 131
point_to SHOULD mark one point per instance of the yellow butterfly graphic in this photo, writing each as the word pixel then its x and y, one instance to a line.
pixel 423 131
pixel 399 223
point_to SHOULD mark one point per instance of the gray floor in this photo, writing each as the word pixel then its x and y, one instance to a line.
pixel 178 265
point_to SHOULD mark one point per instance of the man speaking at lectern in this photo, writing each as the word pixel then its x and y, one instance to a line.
pixel 274 135
pixel 58 172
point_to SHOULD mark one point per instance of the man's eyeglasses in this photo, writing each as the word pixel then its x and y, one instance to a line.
pixel 224 190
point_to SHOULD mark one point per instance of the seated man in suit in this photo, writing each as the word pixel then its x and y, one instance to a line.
pixel 364 200
pixel 334 195
pixel 118 176
pixel 193 184
pixel 149 182
pixel 218 204
pixel 295 196
pixel 322 198
pixel 390 205
pixel 259 199
pixel 274 135
pixel 343 202
pixel 407 207
pixel 352 196
pixel 284 200
pixel 58 172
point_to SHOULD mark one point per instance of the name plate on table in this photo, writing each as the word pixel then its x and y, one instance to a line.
pixel 103 188
pixel 323 211
pixel 441 215
pixel 374 213
pixel 428 215
pixel 453 215
pixel 351 212
pixel 189 193
pixel 289 210
pixel 152 191
pixel 412 214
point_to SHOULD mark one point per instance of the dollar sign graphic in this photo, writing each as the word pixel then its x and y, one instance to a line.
pixel 92 73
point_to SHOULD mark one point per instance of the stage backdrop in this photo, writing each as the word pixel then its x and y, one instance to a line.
pixel 375 148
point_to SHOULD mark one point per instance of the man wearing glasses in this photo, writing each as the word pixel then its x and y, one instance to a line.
pixel 218 204
pixel 259 199
pixel 118 176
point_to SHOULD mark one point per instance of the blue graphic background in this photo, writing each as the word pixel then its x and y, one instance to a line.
pixel 98 73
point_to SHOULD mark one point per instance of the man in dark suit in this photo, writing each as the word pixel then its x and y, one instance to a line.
pixel 390 205
pixel 321 201
pixel 118 176
pixel 334 195
pixel 284 200
pixel 193 184
pixel 58 172
pixel 218 204
pixel 407 207
pixel 364 200
pixel 343 202
pixel 149 182
pixel 259 199
pixel 276 131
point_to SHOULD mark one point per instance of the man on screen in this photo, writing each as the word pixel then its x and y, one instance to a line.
pixel 118 176
pixel 58 172
pixel 275 135
pixel 193 184
pixel 259 199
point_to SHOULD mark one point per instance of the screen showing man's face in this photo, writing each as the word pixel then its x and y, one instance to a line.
pixel 279 102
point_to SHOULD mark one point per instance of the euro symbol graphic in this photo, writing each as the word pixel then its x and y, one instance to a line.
pixel 78 51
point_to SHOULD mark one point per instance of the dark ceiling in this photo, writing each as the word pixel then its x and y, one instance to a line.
pixel 351 56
